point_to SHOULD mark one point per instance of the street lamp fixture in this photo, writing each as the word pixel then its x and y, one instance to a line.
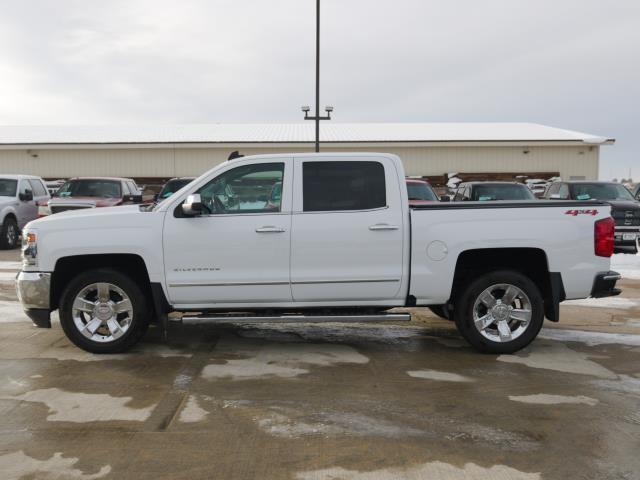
pixel 316 118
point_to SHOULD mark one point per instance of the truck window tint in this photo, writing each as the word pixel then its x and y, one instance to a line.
pixel 8 187
pixel 331 186
pixel 245 189
pixel 37 187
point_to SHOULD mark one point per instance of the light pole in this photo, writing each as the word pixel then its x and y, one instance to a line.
pixel 306 109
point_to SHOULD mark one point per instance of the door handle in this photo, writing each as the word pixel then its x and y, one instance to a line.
pixel 269 229
pixel 383 226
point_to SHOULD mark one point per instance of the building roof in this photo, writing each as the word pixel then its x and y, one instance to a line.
pixel 330 132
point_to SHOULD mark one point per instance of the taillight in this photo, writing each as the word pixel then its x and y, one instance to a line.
pixel 603 237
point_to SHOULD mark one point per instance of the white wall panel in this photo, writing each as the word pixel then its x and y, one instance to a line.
pixel 180 160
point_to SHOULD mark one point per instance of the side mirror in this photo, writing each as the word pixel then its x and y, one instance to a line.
pixel 192 206
pixel 27 196
pixel 136 198
pixel 445 198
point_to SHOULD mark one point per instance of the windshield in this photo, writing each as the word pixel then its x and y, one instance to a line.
pixel 420 191
pixel 172 186
pixel 90 188
pixel 507 191
pixel 600 191
pixel 8 187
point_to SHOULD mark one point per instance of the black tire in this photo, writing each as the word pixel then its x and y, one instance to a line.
pixel 441 311
pixel 463 312
pixel 139 320
pixel 9 234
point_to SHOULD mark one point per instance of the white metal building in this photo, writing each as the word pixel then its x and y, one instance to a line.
pixel 427 149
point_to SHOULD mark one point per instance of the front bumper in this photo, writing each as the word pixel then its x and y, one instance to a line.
pixel 604 285
pixel 34 292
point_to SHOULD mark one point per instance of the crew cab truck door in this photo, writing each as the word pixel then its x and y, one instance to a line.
pixel 237 249
pixel 347 230
pixel 26 210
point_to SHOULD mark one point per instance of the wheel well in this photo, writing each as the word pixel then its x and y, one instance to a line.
pixel 10 215
pixel 68 267
pixel 531 262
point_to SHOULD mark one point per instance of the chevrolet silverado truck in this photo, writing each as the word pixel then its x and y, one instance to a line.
pixel 625 209
pixel 339 243
pixel 91 192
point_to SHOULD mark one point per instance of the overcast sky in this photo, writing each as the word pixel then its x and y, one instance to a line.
pixel 573 64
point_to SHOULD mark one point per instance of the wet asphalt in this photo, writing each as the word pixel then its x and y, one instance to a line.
pixel 361 402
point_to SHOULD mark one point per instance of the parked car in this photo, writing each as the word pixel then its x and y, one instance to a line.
pixel 537 186
pixel 172 186
pixel 625 210
pixel 420 192
pixel 490 191
pixel 19 195
pixel 341 244
pixel 53 185
pixel 91 192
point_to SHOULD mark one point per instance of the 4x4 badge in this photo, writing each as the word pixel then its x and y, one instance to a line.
pixel 589 211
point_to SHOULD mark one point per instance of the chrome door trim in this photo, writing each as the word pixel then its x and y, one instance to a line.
pixel 228 284
pixel 355 280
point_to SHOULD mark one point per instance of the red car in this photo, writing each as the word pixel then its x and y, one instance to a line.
pixel 420 192
pixel 92 192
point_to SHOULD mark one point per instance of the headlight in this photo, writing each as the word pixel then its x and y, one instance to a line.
pixel 29 249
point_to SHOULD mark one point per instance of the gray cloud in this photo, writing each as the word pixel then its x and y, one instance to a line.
pixel 571 64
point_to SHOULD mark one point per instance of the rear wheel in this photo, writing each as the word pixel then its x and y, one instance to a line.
pixel 9 234
pixel 104 311
pixel 500 312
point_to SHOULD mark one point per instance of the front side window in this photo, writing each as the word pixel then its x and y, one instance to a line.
pixel 333 186
pixel 8 187
pixel 245 189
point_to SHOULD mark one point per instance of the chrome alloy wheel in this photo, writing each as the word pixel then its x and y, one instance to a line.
pixel 502 312
pixel 102 312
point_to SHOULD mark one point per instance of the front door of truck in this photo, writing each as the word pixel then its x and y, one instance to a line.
pixel 237 250
pixel 347 229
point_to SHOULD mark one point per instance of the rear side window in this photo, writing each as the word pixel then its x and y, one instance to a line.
pixel 332 186
pixel 38 188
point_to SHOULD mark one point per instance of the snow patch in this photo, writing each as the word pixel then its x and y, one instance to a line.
pixel 627 265
pixel 558 357
pixel 545 399
pixel 431 471
pixel 12 312
pixel 84 407
pixel 606 302
pixel 590 338
pixel 17 465
pixel 192 412
pixel 438 375
pixel 282 360
pixel 6 265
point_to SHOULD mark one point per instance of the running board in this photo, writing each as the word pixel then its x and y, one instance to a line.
pixel 239 319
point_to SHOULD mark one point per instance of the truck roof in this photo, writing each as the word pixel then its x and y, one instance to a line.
pixel 13 176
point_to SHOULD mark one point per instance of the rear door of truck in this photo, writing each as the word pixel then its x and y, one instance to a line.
pixel 348 230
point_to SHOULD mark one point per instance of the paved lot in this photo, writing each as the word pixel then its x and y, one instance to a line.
pixel 361 402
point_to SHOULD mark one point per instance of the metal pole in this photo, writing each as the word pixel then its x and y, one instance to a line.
pixel 317 76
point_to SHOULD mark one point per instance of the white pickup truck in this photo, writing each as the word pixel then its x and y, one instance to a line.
pixel 313 237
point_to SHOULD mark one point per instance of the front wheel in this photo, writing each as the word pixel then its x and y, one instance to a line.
pixel 9 234
pixel 104 311
pixel 500 312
